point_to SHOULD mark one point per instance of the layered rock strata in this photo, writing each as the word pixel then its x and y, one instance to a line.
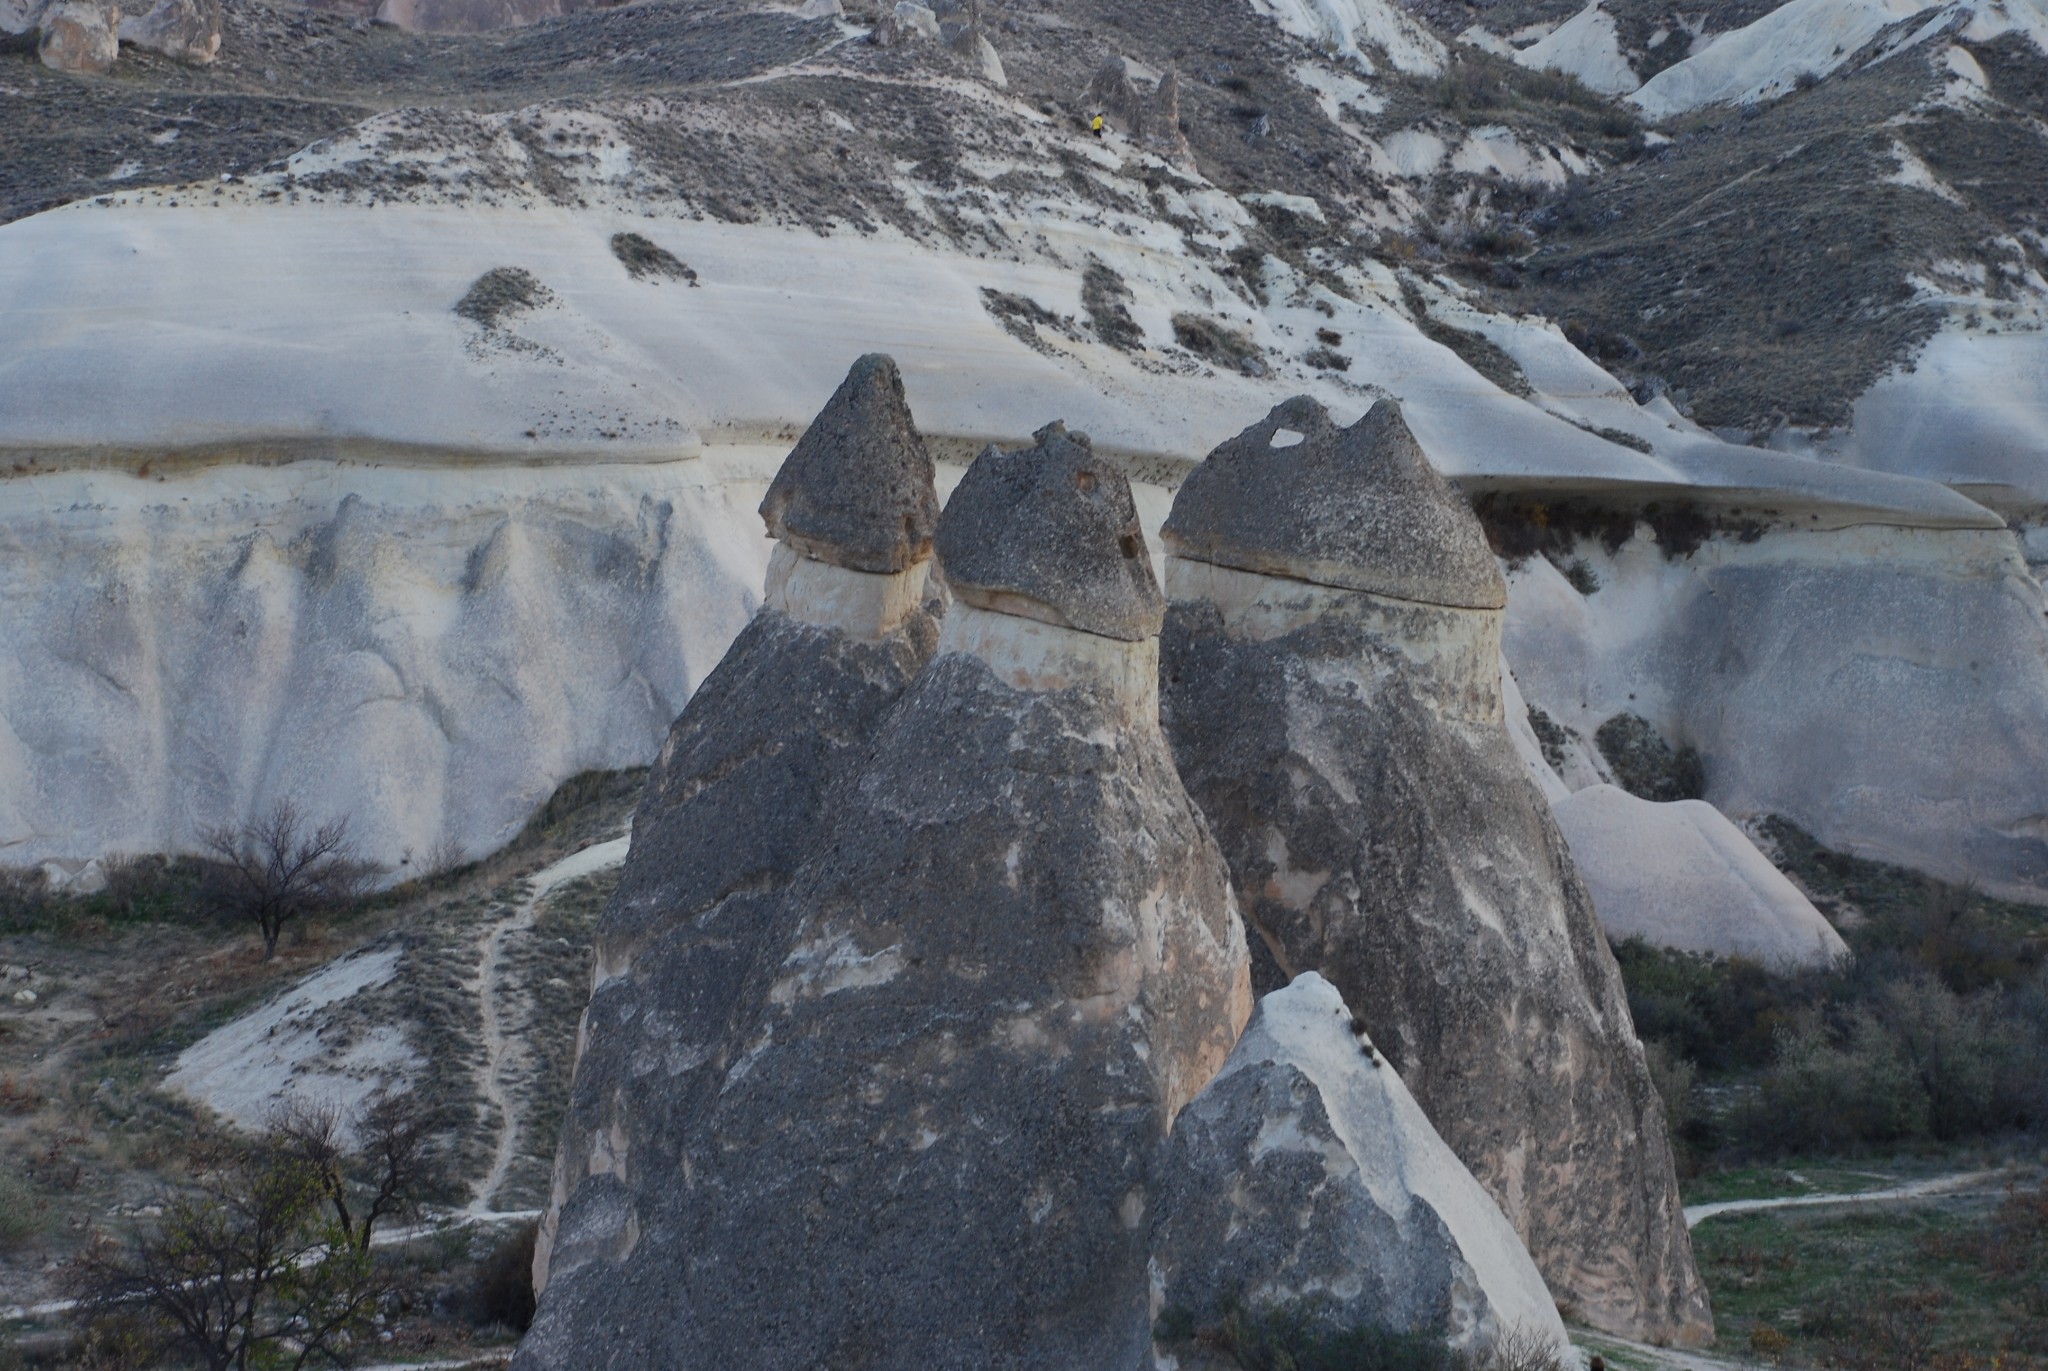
pixel 1306 1176
pixel 735 800
pixel 1012 957
pixel 1332 687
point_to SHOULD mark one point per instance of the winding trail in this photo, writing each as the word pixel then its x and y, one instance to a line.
pixel 571 867
pixel 1958 1183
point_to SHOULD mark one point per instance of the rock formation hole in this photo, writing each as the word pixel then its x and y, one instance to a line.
pixel 1286 437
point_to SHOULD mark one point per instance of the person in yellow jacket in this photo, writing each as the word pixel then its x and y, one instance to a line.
pixel 1095 126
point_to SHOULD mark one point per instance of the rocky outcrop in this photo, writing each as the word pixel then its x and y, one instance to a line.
pixel 1797 663
pixel 1680 875
pixel 79 36
pixel 1332 687
pixel 1149 118
pixel 1011 958
pixel 189 30
pixel 1306 1176
pixel 21 16
pixel 735 800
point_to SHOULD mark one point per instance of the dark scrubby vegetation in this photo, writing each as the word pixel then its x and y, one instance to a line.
pixel 1935 1032
pixel 1021 317
pixel 500 293
pixel 647 260
pixel 1521 525
pixel 1475 350
pixel 1645 765
pixel 139 890
pixel 1759 268
pixel 1105 298
pixel 1213 340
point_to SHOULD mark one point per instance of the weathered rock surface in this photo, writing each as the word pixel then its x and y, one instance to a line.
pixel 1802 663
pixel 735 799
pixel 857 489
pixel 471 16
pixel 79 36
pixel 188 30
pixel 1306 1173
pixel 1011 958
pixel 1349 749
pixel 429 653
pixel 1051 533
pixel 1680 875
pixel 1149 118
pixel 1359 509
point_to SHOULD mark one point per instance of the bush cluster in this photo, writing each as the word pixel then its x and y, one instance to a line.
pixel 1936 1030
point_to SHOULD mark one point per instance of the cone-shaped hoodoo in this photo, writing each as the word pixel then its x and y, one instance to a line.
pixel 1331 683
pixel 732 807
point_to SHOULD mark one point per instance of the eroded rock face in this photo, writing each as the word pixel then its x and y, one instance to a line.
pixel 1337 715
pixel 732 806
pixel 21 16
pixel 1359 509
pixel 470 16
pixel 79 36
pixel 1306 1173
pixel 1012 956
pixel 188 30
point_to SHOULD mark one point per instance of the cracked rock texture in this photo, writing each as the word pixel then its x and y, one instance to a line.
pixel 1350 751
pixel 1011 958
pixel 1306 1172
pixel 79 36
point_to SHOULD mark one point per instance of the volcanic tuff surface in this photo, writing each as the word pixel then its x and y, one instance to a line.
pixel 1350 751
pixel 732 807
pixel 950 1046
pixel 1305 1171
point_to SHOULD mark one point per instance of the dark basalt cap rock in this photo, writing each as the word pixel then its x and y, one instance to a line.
pixel 1358 508
pixel 1051 533
pixel 857 490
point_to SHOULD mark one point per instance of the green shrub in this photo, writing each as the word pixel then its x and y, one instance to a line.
pixel 1821 1096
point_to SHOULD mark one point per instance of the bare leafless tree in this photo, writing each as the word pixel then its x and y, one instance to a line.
pixel 375 1168
pixel 242 1269
pixel 277 870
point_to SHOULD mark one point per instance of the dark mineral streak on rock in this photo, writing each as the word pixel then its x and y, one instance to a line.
pixel 1051 533
pixel 733 806
pixel 857 490
pixel 1399 848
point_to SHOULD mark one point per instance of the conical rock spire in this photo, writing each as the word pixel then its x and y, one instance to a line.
pixel 857 489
